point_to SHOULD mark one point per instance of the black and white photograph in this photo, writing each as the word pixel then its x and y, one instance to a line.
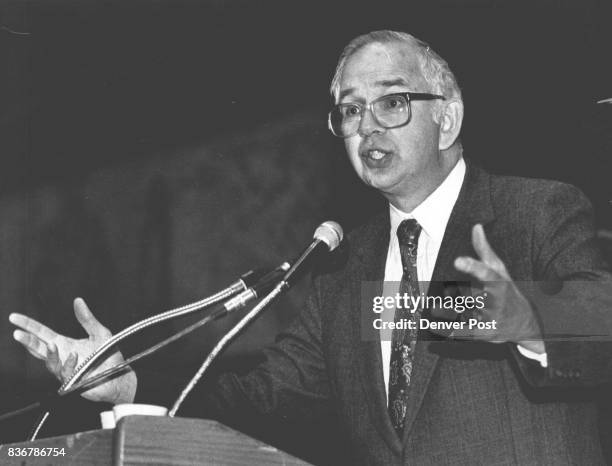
pixel 276 232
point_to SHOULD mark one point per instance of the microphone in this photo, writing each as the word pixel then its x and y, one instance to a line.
pixel 253 278
pixel 257 289
pixel 326 237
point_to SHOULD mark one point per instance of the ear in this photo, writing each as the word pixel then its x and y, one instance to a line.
pixel 450 123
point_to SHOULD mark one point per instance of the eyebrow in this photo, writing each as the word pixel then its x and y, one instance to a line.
pixel 345 92
pixel 392 82
pixel 382 83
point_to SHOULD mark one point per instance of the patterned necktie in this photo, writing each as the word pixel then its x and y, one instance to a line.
pixel 403 341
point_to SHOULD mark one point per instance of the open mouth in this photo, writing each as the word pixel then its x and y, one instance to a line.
pixel 375 156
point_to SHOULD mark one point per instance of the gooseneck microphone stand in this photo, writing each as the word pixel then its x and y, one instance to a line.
pixel 251 285
pixel 327 237
pixel 245 283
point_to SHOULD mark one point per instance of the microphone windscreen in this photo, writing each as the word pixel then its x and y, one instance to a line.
pixel 330 233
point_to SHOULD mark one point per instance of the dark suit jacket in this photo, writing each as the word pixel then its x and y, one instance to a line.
pixel 470 403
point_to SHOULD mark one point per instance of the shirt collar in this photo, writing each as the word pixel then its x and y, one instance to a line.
pixel 433 213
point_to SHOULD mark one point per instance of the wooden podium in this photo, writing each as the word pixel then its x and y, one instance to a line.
pixel 152 440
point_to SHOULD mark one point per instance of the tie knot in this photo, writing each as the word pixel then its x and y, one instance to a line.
pixel 408 233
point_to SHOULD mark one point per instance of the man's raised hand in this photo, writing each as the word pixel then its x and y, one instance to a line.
pixel 506 305
pixel 62 354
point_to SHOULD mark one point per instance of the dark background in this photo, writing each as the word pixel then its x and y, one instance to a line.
pixel 95 83
pixel 153 150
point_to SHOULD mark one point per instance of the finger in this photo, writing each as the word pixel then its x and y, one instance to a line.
pixel 32 326
pixel 33 344
pixel 463 331
pixel 441 313
pixel 69 366
pixel 88 321
pixel 52 360
pixel 467 334
pixel 477 269
pixel 456 333
pixel 485 251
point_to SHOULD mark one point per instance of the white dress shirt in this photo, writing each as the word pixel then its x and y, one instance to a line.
pixel 432 214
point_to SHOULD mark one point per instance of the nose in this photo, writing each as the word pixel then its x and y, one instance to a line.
pixel 368 124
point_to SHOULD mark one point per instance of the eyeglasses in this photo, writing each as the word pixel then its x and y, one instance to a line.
pixel 389 111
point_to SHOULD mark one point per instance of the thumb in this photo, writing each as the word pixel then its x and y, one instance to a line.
pixel 88 321
pixel 481 245
pixel 485 251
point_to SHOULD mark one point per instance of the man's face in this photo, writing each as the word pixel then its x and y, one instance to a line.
pixel 401 162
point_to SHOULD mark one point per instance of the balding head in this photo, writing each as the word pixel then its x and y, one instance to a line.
pixel 434 69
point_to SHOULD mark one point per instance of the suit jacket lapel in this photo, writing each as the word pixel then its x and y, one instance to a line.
pixel 473 206
pixel 371 248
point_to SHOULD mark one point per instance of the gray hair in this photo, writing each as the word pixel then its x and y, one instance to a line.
pixel 434 68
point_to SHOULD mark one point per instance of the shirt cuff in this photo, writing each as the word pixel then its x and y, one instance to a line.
pixel 541 358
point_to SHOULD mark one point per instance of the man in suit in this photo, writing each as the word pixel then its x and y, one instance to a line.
pixel 498 395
